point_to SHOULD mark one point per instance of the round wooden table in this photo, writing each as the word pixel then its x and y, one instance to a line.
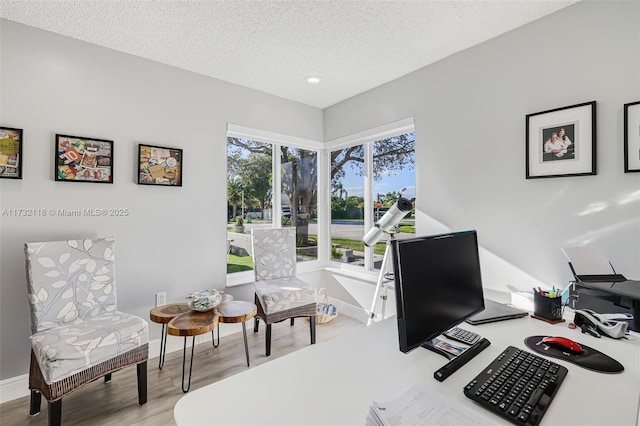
pixel 162 315
pixel 178 319
pixel 192 323
pixel 165 313
pixel 237 311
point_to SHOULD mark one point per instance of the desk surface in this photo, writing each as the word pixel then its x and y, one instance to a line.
pixel 335 382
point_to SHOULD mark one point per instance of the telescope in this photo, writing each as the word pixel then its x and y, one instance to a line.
pixel 390 220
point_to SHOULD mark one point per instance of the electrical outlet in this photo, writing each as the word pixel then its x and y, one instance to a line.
pixel 161 299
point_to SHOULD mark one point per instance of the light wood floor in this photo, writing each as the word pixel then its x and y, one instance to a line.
pixel 116 403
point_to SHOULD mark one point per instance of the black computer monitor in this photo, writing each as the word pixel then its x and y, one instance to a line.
pixel 438 284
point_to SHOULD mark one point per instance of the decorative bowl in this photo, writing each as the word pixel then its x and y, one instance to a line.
pixel 204 300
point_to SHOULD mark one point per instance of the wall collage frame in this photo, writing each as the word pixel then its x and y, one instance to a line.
pixel 88 159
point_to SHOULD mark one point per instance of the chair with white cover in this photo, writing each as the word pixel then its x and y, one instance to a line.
pixel 279 294
pixel 78 335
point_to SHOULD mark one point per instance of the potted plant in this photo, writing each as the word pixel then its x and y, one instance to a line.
pixel 239 224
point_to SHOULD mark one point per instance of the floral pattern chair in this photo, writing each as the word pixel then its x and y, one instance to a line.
pixel 78 335
pixel 279 293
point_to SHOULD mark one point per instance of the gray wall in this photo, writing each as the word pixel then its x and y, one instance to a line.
pixel 174 238
pixel 470 112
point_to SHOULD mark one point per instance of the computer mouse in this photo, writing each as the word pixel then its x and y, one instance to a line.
pixel 563 343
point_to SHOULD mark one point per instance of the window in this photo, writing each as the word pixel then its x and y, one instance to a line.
pixel 393 177
pixel 299 198
pixel 357 203
pixel 258 198
pixel 347 204
pixel 249 197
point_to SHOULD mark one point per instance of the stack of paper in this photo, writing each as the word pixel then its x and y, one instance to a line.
pixel 422 406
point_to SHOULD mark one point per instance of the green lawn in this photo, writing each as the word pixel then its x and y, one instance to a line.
pixel 410 229
pixel 245 263
pixel 239 263
pixel 357 245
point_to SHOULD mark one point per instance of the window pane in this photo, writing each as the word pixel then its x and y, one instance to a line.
pixel 347 205
pixel 299 198
pixel 249 195
pixel 393 177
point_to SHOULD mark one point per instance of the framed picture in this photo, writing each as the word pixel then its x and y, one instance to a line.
pixel 632 137
pixel 561 142
pixel 80 159
pixel 10 153
pixel 159 165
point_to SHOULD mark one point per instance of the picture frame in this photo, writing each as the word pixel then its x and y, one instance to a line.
pixel 573 154
pixel 632 137
pixel 159 165
pixel 83 159
pixel 10 152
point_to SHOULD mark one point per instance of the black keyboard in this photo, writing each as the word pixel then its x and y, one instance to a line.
pixel 462 335
pixel 517 385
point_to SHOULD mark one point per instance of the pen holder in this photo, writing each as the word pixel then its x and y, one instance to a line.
pixel 547 308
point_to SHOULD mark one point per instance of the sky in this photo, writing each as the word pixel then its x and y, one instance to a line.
pixel 354 184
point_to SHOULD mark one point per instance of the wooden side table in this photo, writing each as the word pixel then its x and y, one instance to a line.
pixel 162 315
pixel 192 323
pixel 165 313
pixel 237 311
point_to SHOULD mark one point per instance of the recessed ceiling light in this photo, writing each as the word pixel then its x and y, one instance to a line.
pixel 312 79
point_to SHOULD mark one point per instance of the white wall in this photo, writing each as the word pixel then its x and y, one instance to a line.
pixel 174 238
pixel 469 112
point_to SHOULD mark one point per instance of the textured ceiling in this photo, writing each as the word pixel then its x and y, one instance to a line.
pixel 272 45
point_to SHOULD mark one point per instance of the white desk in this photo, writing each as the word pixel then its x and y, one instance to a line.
pixel 335 382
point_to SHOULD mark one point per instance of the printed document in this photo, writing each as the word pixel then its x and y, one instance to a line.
pixel 419 406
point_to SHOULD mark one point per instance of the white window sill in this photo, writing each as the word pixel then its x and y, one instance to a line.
pixel 246 277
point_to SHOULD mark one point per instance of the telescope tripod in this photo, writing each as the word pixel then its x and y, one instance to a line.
pixel 386 276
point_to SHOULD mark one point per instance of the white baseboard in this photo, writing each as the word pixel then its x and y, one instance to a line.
pixel 352 311
pixel 18 387
pixel 14 388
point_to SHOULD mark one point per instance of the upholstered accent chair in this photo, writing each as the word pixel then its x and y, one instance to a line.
pixel 78 334
pixel 279 294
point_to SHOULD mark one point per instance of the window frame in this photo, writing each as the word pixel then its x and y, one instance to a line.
pixel 277 140
pixel 365 138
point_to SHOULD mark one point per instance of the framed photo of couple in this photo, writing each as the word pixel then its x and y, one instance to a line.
pixel 561 142
pixel 632 137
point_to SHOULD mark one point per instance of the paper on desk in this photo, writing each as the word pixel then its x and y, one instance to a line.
pixel 420 405
pixel 588 261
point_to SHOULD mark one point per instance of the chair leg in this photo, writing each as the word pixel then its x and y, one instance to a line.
pixel 142 382
pixel 312 325
pixel 292 320
pixel 55 413
pixel 268 340
pixel 107 378
pixel 256 324
pixel 34 406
